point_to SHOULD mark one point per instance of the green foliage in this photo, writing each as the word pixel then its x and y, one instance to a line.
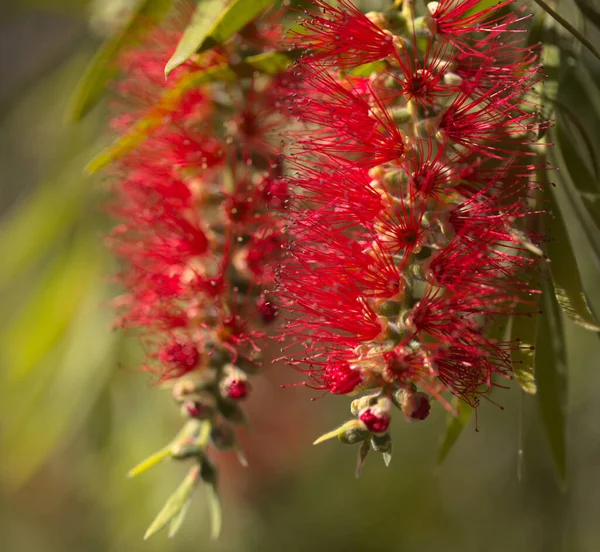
pixel 212 25
pixel 102 69
pixel 550 374
pixel 455 425
pixel 524 331
pixel 178 503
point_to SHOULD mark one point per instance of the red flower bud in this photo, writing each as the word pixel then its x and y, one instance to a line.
pixel 376 421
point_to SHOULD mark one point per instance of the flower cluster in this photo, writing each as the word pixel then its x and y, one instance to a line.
pixel 412 180
pixel 197 232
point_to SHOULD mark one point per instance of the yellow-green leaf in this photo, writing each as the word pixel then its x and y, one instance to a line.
pixel 566 280
pixel 102 68
pixel 167 103
pixel 178 519
pixel 454 428
pixel 175 503
pixel 150 462
pixel 524 330
pixel 211 25
pixel 341 430
pixel 269 62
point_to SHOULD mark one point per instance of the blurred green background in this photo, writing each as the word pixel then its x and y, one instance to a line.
pixel 75 414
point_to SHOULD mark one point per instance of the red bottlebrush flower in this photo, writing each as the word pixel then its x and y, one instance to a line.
pixel 409 194
pixel 344 36
pixel 181 358
pixel 352 120
pixel 340 379
pixel 457 19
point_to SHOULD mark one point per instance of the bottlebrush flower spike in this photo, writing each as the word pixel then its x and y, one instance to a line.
pixel 410 191
pixel 197 237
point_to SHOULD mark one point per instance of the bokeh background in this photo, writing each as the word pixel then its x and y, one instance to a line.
pixel 75 414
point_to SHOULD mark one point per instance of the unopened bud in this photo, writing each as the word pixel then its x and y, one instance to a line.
pixel 377 417
pixel 415 405
pixel 234 385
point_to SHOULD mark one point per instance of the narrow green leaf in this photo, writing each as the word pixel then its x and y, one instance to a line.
pixel 216 515
pixel 205 16
pixel 524 330
pixel 211 25
pixel 150 462
pixel 178 519
pixel 341 430
pixel 566 280
pixel 455 426
pixel 167 103
pixel 48 407
pixel 269 62
pixel 550 373
pixel 102 69
pixel 367 69
pixel 175 503
pixel 363 451
pixel 570 28
pixel 50 308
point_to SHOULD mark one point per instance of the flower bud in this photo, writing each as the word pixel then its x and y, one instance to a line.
pixel 414 405
pixel 266 309
pixel 377 417
pixel 197 410
pixel 234 386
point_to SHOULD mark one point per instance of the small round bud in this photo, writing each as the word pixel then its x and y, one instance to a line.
pixel 198 410
pixel 266 309
pixel 352 436
pixel 375 421
pixel 237 389
pixel 415 406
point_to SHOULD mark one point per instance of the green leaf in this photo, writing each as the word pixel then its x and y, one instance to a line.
pixel 28 232
pixel 367 69
pixel 524 330
pixel 589 11
pixel 205 16
pixel 150 462
pixel 211 26
pixel 550 373
pixel 216 515
pixel 269 62
pixel 167 103
pixel 363 451
pixel 178 519
pixel 456 424
pixel 352 425
pixel 568 287
pixel 175 503
pixel 102 68
pixel 50 308
pixel 47 406
pixel 570 28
